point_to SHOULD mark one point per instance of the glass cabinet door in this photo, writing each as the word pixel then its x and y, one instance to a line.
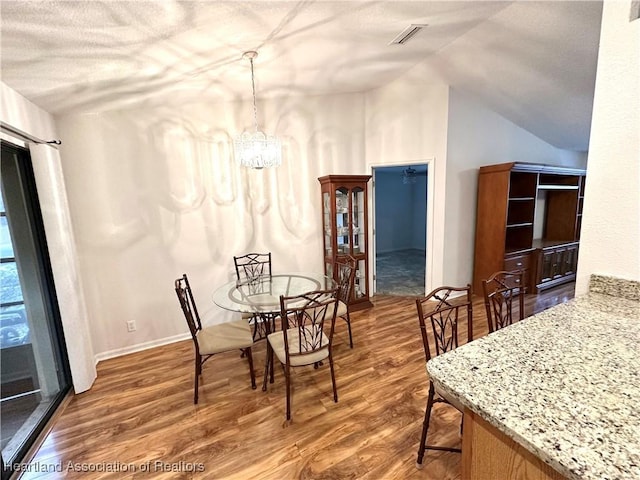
pixel 326 221
pixel 357 216
pixel 360 282
pixel 342 220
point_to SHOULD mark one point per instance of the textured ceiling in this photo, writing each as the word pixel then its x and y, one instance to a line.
pixel 532 62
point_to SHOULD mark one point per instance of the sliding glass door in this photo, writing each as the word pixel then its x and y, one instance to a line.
pixel 35 371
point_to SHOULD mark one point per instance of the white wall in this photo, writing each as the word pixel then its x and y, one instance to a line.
pixel 19 113
pixel 476 137
pixel 406 122
pixel 155 193
pixel 610 238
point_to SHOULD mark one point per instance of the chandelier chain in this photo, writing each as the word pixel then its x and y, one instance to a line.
pixel 256 150
pixel 253 87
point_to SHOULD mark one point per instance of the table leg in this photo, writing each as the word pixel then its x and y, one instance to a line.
pixel 263 325
pixel 267 365
pixel 268 321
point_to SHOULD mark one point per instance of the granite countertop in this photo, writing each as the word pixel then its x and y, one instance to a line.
pixel 564 383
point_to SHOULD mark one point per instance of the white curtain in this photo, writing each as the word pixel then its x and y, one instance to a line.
pixel 64 263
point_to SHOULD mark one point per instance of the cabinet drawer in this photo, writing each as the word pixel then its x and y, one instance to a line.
pixel 520 262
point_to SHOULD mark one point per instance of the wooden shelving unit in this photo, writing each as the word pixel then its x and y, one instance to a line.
pixel 528 217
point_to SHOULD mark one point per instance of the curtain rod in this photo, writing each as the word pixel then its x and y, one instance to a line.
pixel 27 137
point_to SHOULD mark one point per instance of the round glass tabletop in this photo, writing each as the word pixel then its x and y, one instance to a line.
pixel 263 295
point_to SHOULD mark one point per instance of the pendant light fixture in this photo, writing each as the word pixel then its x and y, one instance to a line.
pixel 256 150
pixel 408 176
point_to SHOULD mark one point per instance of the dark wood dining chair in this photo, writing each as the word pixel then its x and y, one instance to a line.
pixel 346 270
pixel 251 268
pixel 303 340
pixel 214 339
pixel 439 315
pixel 500 291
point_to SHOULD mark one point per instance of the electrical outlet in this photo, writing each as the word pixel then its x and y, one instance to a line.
pixel 131 326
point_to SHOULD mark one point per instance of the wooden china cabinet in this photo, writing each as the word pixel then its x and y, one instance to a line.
pixel 345 230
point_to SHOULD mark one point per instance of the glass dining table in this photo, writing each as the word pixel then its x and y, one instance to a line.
pixel 259 299
pixel 260 296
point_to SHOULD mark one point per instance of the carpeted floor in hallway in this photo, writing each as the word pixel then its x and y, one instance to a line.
pixel 400 272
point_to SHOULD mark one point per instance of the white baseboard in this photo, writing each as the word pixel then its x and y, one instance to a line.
pixel 118 352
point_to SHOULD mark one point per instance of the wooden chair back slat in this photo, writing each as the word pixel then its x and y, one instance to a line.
pixel 307 314
pixel 252 266
pixel 346 271
pixel 188 305
pixel 442 310
pixel 502 292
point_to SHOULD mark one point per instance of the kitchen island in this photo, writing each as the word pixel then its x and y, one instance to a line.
pixel 556 395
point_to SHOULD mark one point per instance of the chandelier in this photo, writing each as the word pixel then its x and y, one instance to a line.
pixel 408 176
pixel 257 149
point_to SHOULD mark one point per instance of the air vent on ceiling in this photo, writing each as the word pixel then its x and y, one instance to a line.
pixel 408 33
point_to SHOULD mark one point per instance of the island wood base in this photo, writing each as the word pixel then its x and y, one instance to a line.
pixel 488 453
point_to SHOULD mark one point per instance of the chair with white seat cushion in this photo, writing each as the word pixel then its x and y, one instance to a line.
pixel 213 339
pixel 346 270
pixel 303 340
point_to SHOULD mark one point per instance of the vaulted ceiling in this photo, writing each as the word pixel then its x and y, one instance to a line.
pixel 532 62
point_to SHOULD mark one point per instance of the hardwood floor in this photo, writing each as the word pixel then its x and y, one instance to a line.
pixel 140 414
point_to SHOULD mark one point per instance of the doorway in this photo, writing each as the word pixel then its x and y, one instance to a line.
pixel 400 229
pixel 35 370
